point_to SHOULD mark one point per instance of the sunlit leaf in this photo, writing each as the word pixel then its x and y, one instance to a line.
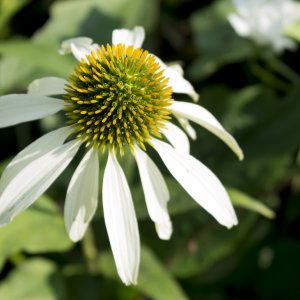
pixel 243 200
pixel 95 19
pixel 8 8
pixel 35 279
pixel 39 56
pixel 39 229
pixel 16 75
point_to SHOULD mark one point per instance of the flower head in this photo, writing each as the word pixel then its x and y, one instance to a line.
pixel 264 21
pixel 118 97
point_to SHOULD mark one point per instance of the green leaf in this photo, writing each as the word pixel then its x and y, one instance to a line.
pixel 35 279
pixel 39 56
pixel 243 200
pixel 210 245
pixel 16 74
pixel 8 8
pixel 39 229
pixel 216 41
pixel 154 280
pixel 95 19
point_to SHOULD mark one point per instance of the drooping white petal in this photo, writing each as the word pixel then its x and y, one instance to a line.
pixel 82 195
pixel 199 182
pixel 32 152
pixel 120 220
pixel 156 193
pixel 34 179
pixel 47 86
pixel 204 118
pixel 176 137
pixel 187 127
pixel 176 80
pixel 80 47
pixel 134 37
pixel 19 108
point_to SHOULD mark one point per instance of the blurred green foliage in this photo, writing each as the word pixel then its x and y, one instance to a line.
pixel 255 95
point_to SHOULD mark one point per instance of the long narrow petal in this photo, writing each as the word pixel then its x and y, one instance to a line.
pixel 176 80
pixel 80 47
pixel 134 37
pixel 19 108
pixel 32 152
pixel 120 220
pixel 187 127
pixel 34 179
pixel 156 193
pixel 199 182
pixel 47 86
pixel 204 118
pixel 81 201
pixel 176 137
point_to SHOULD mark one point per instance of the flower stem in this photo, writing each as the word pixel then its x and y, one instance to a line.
pixel 278 66
pixel 90 251
pixel 268 78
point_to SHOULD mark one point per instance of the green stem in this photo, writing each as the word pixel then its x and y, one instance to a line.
pixel 268 78
pixel 90 251
pixel 278 66
pixel 17 258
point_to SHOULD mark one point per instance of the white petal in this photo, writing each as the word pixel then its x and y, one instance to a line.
pixel 176 137
pixel 47 86
pixel 80 41
pixel 19 108
pixel 34 179
pixel 204 118
pixel 127 37
pixel 156 193
pixel 120 221
pixel 187 127
pixel 81 201
pixel 176 80
pixel 199 182
pixel 80 47
pixel 240 26
pixel 32 152
pixel 176 67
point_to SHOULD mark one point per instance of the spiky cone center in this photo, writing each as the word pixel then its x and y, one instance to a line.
pixel 118 96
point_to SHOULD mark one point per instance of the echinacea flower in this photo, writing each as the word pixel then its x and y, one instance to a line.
pixel 118 98
pixel 264 21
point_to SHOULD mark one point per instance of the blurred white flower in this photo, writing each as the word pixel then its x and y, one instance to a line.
pixel 264 21
pixel 118 97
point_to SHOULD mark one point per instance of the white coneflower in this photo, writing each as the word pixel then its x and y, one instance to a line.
pixel 119 97
pixel 264 21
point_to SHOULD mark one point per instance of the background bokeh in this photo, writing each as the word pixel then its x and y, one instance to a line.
pixel 253 92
